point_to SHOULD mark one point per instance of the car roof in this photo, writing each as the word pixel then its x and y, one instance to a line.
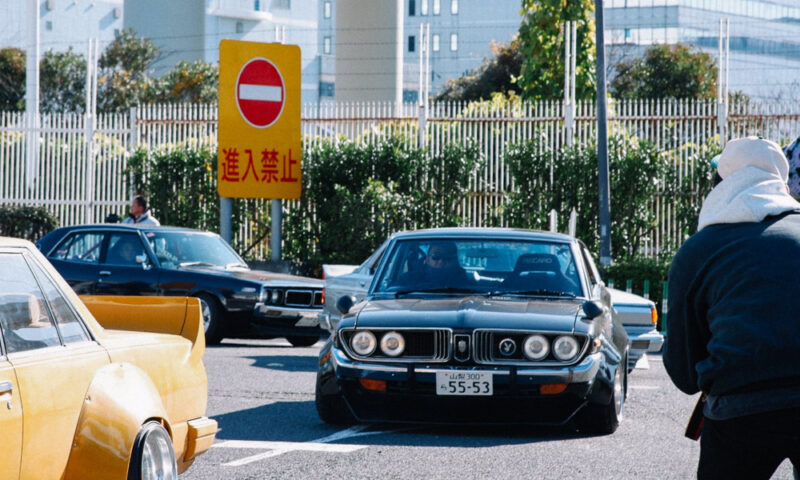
pixel 493 232
pixel 14 242
pixel 128 226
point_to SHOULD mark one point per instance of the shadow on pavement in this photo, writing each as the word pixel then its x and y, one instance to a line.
pixel 298 422
pixel 286 363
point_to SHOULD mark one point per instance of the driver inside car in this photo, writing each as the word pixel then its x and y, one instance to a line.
pixel 441 266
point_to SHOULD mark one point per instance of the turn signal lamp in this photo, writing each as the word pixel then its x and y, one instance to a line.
pixel 323 296
pixel 552 388
pixel 654 315
pixel 374 385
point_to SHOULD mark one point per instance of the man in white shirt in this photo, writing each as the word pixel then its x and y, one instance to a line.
pixel 139 213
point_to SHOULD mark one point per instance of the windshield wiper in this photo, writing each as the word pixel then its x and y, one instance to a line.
pixel 236 264
pixel 539 293
pixel 197 264
pixel 438 290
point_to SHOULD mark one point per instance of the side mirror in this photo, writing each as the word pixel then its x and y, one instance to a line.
pixel 345 303
pixel 592 309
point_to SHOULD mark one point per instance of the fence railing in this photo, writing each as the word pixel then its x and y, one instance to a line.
pixel 79 173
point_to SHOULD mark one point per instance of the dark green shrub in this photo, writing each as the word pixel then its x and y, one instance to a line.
pixel 30 223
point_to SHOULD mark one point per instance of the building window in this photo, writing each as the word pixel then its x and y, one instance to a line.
pixel 326 89
pixel 412 43
pixel 326 45
pixel 454 7
pixel 257 5
pixel 48 25
pixel 239 27
pixel 326 13
pixel 412 8
pixel 454 41
pixel 282 4
pixel 437 7
pixel 423 7
pixel 435 40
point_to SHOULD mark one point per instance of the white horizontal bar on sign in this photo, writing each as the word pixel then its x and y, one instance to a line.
pixel 264 93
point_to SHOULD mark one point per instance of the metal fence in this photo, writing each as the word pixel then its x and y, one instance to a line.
pixel 79 172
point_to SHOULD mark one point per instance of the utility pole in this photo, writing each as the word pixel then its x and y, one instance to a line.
pixel 570 49
pixel 602 139
pixel 722 79
pixel 32 91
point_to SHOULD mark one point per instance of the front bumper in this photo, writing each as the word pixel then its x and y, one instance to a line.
pixel 644 339
pixel 280 320
pixel 410 394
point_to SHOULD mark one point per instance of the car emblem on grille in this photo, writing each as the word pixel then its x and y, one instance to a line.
pixel 508 347
pixel 462 346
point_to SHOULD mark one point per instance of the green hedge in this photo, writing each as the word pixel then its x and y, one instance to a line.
pixel 637 270
pixel 30 223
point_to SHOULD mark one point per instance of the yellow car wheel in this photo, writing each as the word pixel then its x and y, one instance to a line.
pixel 153 457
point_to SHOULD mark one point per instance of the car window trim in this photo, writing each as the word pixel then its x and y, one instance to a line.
pixel 30 259
pixel 71 235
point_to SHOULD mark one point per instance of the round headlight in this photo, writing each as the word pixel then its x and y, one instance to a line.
pixel 275 297
pixel 565 348
pixel 363 343
pixel 536 347
pixel 393 344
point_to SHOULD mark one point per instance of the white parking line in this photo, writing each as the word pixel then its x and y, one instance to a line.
pixel 643 387
pixel 319 445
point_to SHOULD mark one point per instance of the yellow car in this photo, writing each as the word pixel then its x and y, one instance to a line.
pixel 79 397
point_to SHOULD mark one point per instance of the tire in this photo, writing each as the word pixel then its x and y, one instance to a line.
pixel 302 341
pixel 153 456
pixel 332 408
pixel 604 419
pixel 212 318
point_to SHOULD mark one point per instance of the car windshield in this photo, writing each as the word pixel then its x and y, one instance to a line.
pixel 482 267
pixel 190 249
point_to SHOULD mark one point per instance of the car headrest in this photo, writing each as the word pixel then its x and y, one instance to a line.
pixel 531 262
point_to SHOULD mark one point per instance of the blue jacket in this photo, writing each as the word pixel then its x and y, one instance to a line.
pixel 733 322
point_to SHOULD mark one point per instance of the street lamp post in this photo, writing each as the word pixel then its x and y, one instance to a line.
pixel 602 140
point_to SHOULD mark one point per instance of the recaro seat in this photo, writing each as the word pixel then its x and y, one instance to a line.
pixel 539 271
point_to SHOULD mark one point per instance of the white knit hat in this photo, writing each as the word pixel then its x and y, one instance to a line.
pixel 753 152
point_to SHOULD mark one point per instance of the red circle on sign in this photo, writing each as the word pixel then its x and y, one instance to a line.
pixel 260 92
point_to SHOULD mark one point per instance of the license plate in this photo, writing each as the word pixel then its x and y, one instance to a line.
pixel 307 322
pixel 464 383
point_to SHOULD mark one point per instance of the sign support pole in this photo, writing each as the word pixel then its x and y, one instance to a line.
pixel 275 237
pixel 226 218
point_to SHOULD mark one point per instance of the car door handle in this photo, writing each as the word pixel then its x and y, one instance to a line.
pixel 362 283
pixel 6 387
pixel 105 273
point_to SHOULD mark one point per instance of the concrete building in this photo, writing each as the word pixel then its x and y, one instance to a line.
pixel 192 29
pixel 461 33
pixel 62 23
pixel 764 37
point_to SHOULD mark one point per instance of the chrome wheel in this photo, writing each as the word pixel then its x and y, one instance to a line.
pixel 206 311
pixel 153 456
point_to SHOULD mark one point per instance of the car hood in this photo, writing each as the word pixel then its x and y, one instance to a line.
pixel 268 278
pixel 470 313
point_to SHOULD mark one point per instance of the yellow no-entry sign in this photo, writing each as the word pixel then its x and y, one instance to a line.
pixel 259 153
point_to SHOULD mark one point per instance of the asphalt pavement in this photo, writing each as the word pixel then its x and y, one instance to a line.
pixel 262 394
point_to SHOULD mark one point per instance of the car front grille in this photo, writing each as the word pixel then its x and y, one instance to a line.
pixel 486 348
pixel 422 345
pixel 303 298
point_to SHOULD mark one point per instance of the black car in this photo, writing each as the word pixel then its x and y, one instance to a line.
pixel 113 259
pixel 478 325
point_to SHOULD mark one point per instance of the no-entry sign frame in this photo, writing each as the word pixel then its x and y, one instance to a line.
pixel 259 153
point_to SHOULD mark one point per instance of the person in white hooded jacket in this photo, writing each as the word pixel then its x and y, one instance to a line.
pixel 734 333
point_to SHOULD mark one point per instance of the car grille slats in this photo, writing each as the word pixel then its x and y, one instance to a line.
pixel 483 346
pixel 422 345
pixel 302 298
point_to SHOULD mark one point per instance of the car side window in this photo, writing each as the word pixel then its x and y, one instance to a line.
pixel 82 247
pixel 123 248
pixel 71 328
pixel 24 318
